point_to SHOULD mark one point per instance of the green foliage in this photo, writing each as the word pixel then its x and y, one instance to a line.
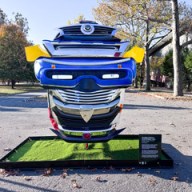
pixel 186 59
pixel 188 62
pixel 21 22
pixel 156 62
pixel 13 64
pixel 76 20
pixel 167 65
pixel 134 17
pixel 188 70
pixel 3 17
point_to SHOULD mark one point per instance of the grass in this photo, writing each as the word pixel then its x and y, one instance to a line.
pixel 43 150
pixel 7 90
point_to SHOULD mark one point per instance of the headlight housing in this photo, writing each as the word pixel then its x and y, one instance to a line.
pixel 37 67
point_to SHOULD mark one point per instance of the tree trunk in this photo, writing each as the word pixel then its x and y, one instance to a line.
pixel 13 83
pixel 177 65
pixel 136 82
pixel 147 64
pixel 147 70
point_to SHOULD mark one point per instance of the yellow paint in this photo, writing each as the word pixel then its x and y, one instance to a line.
pixel 136 53
pixel 34 52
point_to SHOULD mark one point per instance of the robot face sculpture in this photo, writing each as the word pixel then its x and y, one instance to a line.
pixel 85 70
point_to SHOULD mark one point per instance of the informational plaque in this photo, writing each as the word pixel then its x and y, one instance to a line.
pixel 149 147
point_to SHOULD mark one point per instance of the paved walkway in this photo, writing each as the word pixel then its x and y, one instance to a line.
pixel 26 115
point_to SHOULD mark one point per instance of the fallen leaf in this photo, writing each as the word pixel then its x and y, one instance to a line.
pixel 28 178
pixel 2 171
pixel 64 175
pixel 174 178
pixel 172 124
pixel 48 172
pixel 139 174
pixel 152 181
pixel 75 185
pixel 7 173
pixel 98 179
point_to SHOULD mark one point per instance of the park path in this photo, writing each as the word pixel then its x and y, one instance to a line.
pixel 26 115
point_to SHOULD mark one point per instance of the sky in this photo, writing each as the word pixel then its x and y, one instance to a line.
pixel 45 16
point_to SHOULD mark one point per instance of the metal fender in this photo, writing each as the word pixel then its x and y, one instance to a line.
pixel 136 53
pixel 34 52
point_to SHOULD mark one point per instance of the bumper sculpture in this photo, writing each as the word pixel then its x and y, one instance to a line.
pixel 85 70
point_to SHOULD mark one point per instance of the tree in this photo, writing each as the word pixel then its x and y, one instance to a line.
pixel 177 65
pixel 3 17
pixel 21 22
pixel 76 20
pixel 167 65
pixel 188 69
pixel 143 22
pixel 13 65
pixel 188 61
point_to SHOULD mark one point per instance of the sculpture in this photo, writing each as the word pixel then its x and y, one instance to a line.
pixel 85 70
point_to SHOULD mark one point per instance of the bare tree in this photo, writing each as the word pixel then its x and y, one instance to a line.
pixel 178 89
pixel 143 22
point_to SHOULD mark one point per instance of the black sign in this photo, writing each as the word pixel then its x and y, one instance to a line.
pixel 149 147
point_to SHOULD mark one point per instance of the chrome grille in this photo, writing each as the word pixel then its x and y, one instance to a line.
pixel 76 30
pixel 86 98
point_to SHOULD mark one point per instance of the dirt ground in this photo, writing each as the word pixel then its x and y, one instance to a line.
pixel 26 115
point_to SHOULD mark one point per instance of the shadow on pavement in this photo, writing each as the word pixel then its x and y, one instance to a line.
pixel 17 102
pixel 27 186
pixel 153 107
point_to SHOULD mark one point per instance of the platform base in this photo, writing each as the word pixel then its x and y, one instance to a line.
pixel 122 151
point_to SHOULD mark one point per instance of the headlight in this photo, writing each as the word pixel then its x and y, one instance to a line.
pixel 37 67
pixel 110 76
pixel 64 77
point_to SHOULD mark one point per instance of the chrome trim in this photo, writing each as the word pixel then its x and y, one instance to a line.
pixel 85 31
pixel 77 29
pixel 79 107
pixel 85 64
pixel 127 85
pixel 79 43
pixel 87 98
pixel 77 25
pixel 82 131
pixel 61 86
pixel 102 49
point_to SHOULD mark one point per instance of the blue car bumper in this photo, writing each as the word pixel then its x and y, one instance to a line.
pixel 81 69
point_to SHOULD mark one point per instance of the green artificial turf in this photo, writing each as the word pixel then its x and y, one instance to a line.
pixel 48 150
